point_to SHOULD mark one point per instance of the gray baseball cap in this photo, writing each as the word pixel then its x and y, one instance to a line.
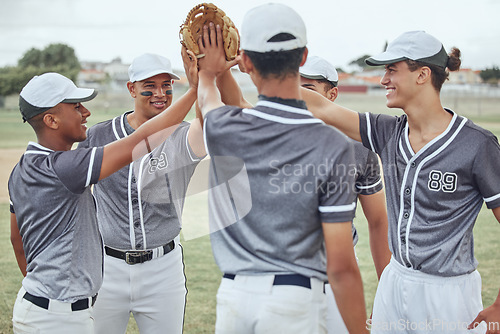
pixel 148 65
pixel 262 23
pixel 45 91
pixel 317 68
pixel 412 45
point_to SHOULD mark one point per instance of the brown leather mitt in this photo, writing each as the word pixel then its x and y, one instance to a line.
pixel 202 15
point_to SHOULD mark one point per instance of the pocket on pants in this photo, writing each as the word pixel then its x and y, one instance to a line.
pixel 20 328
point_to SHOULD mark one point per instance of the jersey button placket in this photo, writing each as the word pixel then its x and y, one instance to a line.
pixel 406 192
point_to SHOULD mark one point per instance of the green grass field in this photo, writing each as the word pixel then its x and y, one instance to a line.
pixel 202 274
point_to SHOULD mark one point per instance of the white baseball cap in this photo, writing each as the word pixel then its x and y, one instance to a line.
pixel 148 65
pixel 262 23
pixel 413 45
pixel 318 68
pixel 46 91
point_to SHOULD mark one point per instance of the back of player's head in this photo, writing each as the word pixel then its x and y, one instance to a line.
pixel 148 65
pixel 274 38
pixel 45 91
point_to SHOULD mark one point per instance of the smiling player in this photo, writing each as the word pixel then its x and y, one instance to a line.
pixel 140 207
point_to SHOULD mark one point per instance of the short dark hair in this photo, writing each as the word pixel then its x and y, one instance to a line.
pixel 439 74
pixel 278 64
pixel 328 84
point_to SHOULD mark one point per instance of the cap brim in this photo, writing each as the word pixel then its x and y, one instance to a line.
pixel 81 95
pixel 312 76
pixel 384 59
pixel 152 74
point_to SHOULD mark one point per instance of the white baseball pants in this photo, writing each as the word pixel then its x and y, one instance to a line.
pixel 252 304
pixel 153 291
pixel 58 319
pixel 409 301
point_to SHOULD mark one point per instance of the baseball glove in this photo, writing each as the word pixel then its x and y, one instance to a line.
pixel 201 15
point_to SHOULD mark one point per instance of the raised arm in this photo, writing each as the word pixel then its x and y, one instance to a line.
pixel 210 66
pixel 195 135
pixel 230 90
pixel 342 118
pixel 149 135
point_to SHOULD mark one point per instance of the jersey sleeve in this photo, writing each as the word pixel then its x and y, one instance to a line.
pixel 337 197
pixel 486 173
pixel 370 180
pixel 376 130
pixel 77 169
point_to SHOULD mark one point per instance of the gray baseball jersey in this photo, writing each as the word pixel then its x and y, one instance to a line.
pixel 140 206
pixel 276 174
pixel 435 194
pixel 56 215
pixel 368 177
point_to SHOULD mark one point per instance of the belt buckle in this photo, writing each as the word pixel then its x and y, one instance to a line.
pixel 130 257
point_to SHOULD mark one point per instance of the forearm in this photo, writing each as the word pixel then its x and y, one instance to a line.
pixel 379 247
pixel 332 114
pixel 343 275
pixel 17 244
pixel 148 136
pixel 347 287
pixel 374 209
pixel 209 96
pixel 21 259
pixel 230 91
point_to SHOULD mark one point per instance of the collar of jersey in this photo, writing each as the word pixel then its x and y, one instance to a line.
pixel 40 148
pixel 301 104
pixel 283 107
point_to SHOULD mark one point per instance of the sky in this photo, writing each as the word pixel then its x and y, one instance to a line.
pixel 337 30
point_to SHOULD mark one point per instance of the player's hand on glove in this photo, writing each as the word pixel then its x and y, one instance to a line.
pixel 212 47
pixel 200 16
pixel 190 66
pixel 490 315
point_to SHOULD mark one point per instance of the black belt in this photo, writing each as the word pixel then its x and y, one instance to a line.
pixel 137 256
pixel 42 302
pixel 291 279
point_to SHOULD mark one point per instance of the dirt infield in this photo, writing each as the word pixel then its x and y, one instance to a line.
pixel 8 159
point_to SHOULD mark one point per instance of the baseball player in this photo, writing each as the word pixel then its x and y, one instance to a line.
pixel 140 207
pixel 319 75
pixel 282 209
pixel 439 169
pixel 53 214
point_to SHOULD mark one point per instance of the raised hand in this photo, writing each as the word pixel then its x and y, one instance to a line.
pixel 212 48
pixel 190 66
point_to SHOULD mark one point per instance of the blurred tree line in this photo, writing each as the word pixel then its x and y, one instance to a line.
pixel 490 75
pixel 58 58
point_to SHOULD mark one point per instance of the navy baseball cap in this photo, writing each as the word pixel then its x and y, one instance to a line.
pixel 412 45
pixel 45 91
